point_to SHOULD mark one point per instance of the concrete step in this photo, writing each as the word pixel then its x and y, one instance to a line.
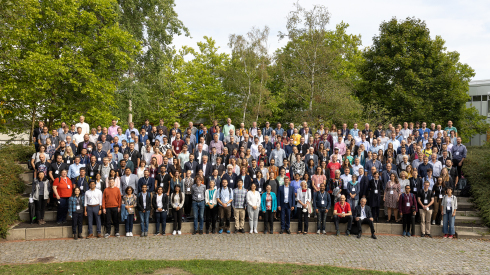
pixel 469 213
pixel 23 165
pixel 465 205
pixel 471 235
pixel 27 177
pixel 464 199
pixel 468 220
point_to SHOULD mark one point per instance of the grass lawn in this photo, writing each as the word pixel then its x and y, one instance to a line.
pixel 176 267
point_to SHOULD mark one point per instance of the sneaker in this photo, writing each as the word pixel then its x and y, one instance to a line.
pixel 228 232
pixel 158 234
pixel 337 233
pixel 433 222
pixel 408 234
pixel 318 232
pixel 106 235
pixel 255 231
pixel 175 232
pixel 373 236
pixel 142 234
pixel 324 232
pixel 130 234
pixel 450 236
pixel 347 233
pixel 117 235
pixel 282 231
pixel 127 234
pixel 194 232
pixel 219 232
pixel 251 231
pixel 288 231
pixel 445 236
pixel 179 232
pixel 404 234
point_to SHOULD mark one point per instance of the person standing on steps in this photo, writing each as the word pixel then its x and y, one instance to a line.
pixel 322 205
pixel 93 209
pixel 268 207
pixel 426 201
pixel 75 211
pixel 225 198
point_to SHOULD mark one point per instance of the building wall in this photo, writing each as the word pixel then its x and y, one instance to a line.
pixel 480 98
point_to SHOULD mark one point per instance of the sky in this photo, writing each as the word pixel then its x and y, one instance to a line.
pixel 464 25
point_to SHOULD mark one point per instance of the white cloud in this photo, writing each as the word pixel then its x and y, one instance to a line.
pixel 464 25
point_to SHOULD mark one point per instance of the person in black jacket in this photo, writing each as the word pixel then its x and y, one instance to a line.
pixel 362 215
pixel 416 185
pixel 163 180
pixel 144 207
pixel 374 191
pixel 322 204
pixel 160 204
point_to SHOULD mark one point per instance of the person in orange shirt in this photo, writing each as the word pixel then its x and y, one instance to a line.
pixel 111 206
pixel 296 137
pixel 62 191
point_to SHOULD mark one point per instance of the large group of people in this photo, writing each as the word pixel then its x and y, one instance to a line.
pixel 112 175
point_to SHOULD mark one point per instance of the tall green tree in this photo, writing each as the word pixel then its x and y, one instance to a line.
pixel 154 24
pixel 67 61
pixel 413 76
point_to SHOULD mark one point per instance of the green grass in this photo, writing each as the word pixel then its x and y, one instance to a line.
pixel 178 267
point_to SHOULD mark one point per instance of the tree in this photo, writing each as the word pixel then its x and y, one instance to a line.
pixel 413 76
pixel 316 67
pixel 154 24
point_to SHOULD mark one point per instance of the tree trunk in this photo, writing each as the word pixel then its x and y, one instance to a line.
pixel 33 122
pixel 260 93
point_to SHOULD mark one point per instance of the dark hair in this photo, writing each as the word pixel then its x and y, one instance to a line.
pixel 73 194
pixel 181 196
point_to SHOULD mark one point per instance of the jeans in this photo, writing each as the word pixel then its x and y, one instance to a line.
pixel 93 211
pixel 112 217
pixel 253 215
pixel 62 210
pixel 128 225
pixel 303 219
pixel 285 216
pixel 145 218
pixel 198 209
pixel 353 203
pixel 40 208
pixel 161 218
pixel 77 221
pixel 448 222
pixel 321 219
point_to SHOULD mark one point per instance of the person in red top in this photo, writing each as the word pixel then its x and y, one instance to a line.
pixel 333 165
pixel 111 206
pixel 177 145
pixel 62 191
pixel 342 213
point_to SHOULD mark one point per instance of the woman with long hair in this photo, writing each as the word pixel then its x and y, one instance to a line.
pixel 177 201
pixel 75 211
pixel 391 196
pixel 40 195
pixel 129 201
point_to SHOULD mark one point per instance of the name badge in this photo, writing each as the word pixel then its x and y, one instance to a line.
pixel 448 207
pixel 161 184
pixel 177 148
pixel 129 158
pixel 440 196
pixel 311 157
pixel 353 189
pixel 287 171
pixel 426 201
pixel 375 191
pixel 68 186
pixel 415 189
pixel 391 192
pixel 260 189
pixel 255 176
pixel 427 209
pixel 268 203
pixel 408 204
pixel 198 196
pixel 231 181
pixel 188 189
pixel 99 159
pixel 56 172
pixel 457 153
pixel 152 176
pixel 323 202
pixel 78 207
pixel 91 174
pixel 301 151
pixel 276 157
pixel 153 140
pixel 343 212
pixel 68 161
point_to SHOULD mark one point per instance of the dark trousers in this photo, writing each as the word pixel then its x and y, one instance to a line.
pixel 161 218
pixel 93 213
pixel 40 205
pixel 409 220
pixel 458 168
pixel 337 219
pixel 188 205
pixel 177 214
pixel 285 216
pixel 62 210
pixel 268 220
pixel 128 224
pixel 375 211
pixel 77 221
pixel 302 220
pixel 224 215
pixel 211 217
pixel 111 216
pixel 321 219
pixel 365 221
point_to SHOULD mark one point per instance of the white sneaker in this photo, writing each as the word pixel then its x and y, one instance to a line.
pixel 127 234
pixel 175 232
pixel 318 231
pixel 251 231
pixel 255 231
pixel 324 232
pixel 179 232
pixel 130 234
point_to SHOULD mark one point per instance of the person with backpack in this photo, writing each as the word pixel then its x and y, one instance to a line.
pixel 407 205
pixel 144 209
pixel 225 197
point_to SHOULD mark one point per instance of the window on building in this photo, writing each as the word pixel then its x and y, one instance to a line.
pixel 476 98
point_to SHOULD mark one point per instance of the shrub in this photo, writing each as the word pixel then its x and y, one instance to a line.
pixel 477 171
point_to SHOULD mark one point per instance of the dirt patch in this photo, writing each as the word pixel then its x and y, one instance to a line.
pixel 172 271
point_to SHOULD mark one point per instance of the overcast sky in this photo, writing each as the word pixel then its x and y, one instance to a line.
pixel 464 25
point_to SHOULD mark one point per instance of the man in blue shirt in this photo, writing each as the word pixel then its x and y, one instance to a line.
pixel 224 198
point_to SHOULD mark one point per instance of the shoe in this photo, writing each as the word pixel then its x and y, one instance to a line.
pixel 99 235
pixel 450 236
pixel 127 234
pixel 75 236
pixel 299 232
pixel 428 235
pixel 117 235
pixel 58 223
pixel 404 234
pixel 158 234
pixel 228 232
pixel 304 233
pixel 324 232
pixel 80 236
pixel 175 232
pixel 337 233
pixel 219 232
pixel 255 231
pixel 408 234
pixel 90 236
pixel 373 236
pixel 318 232
pixel 282 231
pixel 179 232
pixel 422 235
pixel 347 233
pixel 200 232
pixel 236 231
pixel 142 234
pixel 207 230
pixel 130 234
pixel 213 231
pixel 359 235
pixel 377 219
pixel 194 232
pixel 251 231
pixel 271 232
pixel 106 235
pixel 445 236
pixel 163 234
pixel 288 231
pixel 433 222
pixel 265 232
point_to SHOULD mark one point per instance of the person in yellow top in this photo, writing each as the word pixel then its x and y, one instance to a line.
pixel 242 131
pixel 296 137
pixel 428 150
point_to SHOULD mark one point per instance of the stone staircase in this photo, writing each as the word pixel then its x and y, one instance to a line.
pixel 468 223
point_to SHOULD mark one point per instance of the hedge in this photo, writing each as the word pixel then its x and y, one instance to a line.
pixel 11 186
pixel 476 170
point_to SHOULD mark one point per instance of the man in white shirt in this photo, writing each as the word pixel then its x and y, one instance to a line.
pixel 393 140
pixel 405 131
pixel 436 166
pixel 356 166
pixel 78 137
pixel 85 127
pixel 254 149
pixel 93 204
pixel 346 177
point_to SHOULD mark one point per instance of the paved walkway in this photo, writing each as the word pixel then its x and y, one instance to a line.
pixel 388 253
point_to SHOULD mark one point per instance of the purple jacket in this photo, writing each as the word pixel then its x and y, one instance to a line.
pixel 402 203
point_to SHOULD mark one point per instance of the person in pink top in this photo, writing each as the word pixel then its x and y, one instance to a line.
pixel 113 128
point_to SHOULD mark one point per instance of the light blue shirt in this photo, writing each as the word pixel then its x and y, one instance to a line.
pixel 128 132
pixel 226 196
pixel 74 170
pixel 395 142
pixel 354 132
pixel 121 137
